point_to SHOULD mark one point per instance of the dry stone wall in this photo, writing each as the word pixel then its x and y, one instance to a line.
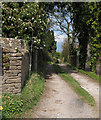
pixel 15 64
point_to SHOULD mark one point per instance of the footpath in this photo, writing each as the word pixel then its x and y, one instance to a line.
pixel 86 82
pixel 60 101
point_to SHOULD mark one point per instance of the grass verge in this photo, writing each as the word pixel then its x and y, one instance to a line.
pixel 75 85
pixel 89 73
pixel 16 105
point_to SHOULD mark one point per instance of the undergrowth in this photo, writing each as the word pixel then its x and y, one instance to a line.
pixel 14 105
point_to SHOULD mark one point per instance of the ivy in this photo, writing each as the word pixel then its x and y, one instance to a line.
pixel 95 43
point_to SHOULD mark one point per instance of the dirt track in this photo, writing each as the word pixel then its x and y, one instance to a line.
pixel 60 101
pixel 86 82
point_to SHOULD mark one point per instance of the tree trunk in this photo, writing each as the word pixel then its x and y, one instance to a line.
pixel 35 61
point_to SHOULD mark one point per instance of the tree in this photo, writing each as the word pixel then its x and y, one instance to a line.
pixel 65 50
pixel 62 17
pixel 94 24
pixel 22 19
pixel 80 16
pixel 28 21
pixel 86 17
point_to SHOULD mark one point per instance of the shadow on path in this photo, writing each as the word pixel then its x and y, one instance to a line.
pixel 49 71
pixel 67 68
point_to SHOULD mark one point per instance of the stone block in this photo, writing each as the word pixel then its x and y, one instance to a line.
pixel 19 67
pixel 18 62
pixel 13 68
pixel 15 58
pixel 13 81
pixel 17 91
pixel 13 71
pixel 11 74
pixel 19 75
pixel 16 55
pixel 18 85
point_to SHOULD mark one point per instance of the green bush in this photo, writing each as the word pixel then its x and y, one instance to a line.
pixel 12 104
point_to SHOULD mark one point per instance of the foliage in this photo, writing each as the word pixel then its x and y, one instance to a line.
pixel 95 32
pixel 80 12
pixel 86 17
pixel 11 105
pixel 84 95
pixel 25 20
pixel 5 58
pixel 6 61
pixel 50 42
pixel 16 105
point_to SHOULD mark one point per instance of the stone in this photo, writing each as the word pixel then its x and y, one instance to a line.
pixel 10 74
pixel 15 58
pixel 17 91
pixel 13 67
pixel 19 67
pixel 18 62
pixel 12 51
pixel 19 75
pixel 18 85
pixel 16 55
pixel 13 71
pixel 16 73
pixel 13 81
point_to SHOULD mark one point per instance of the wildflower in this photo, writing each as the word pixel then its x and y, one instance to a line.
pixel 9 16
pixel 1 108
pixel 8 97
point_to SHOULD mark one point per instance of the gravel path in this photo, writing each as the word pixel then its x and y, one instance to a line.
pixel 60 101
pixel 86 82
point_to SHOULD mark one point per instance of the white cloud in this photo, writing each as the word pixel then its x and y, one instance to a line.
pixel 60 38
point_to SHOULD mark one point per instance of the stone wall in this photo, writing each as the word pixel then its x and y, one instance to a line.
pixel 15 64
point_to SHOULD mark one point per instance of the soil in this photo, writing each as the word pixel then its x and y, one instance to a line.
pixel 60 101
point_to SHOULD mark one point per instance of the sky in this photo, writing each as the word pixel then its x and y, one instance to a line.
pixel 59 37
